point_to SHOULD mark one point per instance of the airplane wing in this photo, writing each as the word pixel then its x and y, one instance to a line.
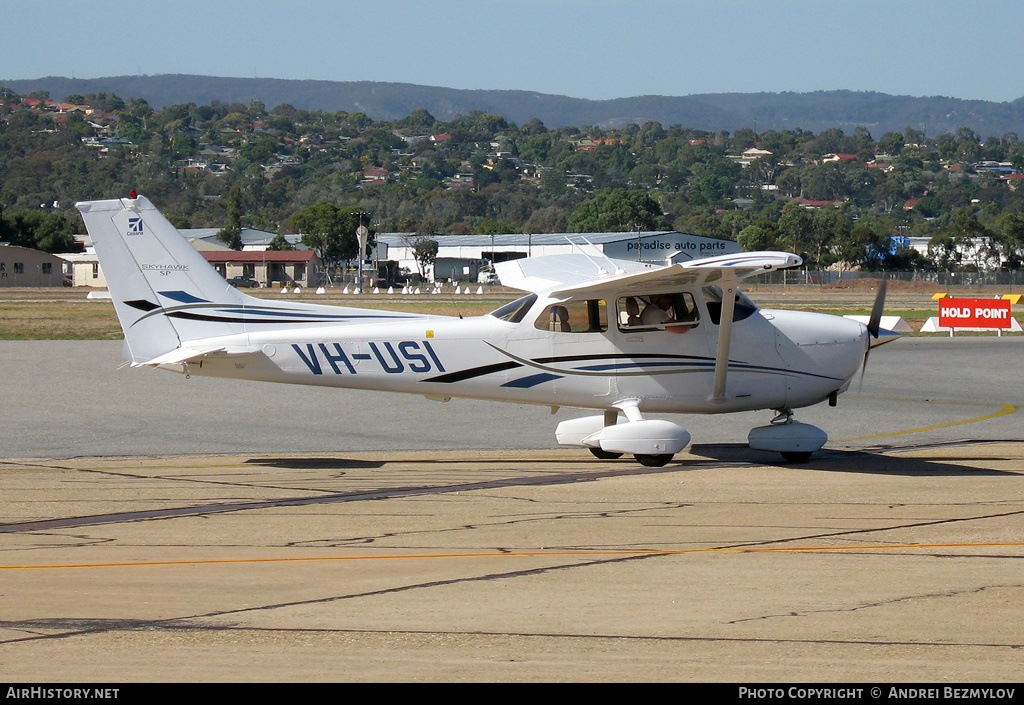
pixel 578 276
pixel 581 277
pixel 549 272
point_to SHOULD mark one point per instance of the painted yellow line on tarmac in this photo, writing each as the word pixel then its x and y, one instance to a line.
pixel 1004 409
pixel 527 554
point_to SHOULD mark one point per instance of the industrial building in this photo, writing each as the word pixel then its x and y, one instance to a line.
pixel 461 258
pixel 470 257
pixel 21 266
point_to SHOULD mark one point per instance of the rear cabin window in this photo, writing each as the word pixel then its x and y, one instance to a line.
pixel 589 316
pixel 653 311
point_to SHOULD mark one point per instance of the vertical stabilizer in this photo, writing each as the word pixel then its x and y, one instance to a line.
pixel 159 282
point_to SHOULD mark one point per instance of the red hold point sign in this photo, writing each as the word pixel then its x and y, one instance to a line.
pixel 974 313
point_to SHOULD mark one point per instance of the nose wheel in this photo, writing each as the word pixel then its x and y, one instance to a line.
pixel 654 461
pixel 793 440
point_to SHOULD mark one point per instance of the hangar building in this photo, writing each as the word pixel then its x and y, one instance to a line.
pixel 470 257
pixel 462 258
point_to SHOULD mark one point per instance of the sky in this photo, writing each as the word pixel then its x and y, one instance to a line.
pixel 596 49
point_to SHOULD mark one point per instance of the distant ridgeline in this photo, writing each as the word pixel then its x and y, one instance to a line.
pixel 817 111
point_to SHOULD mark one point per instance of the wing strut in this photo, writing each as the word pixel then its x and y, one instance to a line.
pixel 724 336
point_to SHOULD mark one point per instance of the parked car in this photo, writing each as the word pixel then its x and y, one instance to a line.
pixel 243 283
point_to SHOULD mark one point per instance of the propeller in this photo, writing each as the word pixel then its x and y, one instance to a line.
pixel 875 326
pixel 875 322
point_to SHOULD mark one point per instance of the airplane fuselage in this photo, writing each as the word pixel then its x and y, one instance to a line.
pixel 778 360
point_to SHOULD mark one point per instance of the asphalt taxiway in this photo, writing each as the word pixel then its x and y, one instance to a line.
pixel 154 528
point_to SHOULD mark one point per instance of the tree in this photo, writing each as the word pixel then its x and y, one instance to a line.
pixel 424 251
pixel 617 211
pixel 329 231
pixel 491 226
pixel 7 231
pixel 864 246
pixel 231 233
pixel 19 227
pixel 553 183
pixel 929 207
pixel 552 219
pixel 829 227
pixel 179 221
pixel 1007 243
pixel 796 228
pixel 967 232
pixel 49 232
pixel 419 119
pixel 762 235
pixel 891 143
pixel 279 243
pixel 766 167
pixel 56 234
pixel 790 183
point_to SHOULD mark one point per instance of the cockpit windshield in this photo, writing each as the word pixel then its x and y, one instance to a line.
pixel 743 308
pixel 514 311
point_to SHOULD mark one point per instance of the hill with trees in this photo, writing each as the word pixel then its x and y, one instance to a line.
pixel 837 197
pixel 815 111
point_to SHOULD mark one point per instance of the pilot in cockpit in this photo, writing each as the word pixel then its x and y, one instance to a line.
pixel 660 313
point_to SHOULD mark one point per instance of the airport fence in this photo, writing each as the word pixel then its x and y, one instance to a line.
pixel 807 277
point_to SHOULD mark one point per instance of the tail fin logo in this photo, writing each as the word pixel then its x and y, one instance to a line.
pixel 135 226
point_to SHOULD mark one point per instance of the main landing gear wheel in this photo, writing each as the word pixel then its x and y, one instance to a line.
pixel 653 461
pixel 604 454
pixel 796 456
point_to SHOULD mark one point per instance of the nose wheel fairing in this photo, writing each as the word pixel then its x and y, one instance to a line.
pixel 794 440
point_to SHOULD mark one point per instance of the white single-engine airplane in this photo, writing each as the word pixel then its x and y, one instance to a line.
pixel 625 338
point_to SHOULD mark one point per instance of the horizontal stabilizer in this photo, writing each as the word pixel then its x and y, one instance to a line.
pixel 190 354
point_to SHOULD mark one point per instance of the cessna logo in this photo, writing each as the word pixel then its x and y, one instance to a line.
pixel 135 226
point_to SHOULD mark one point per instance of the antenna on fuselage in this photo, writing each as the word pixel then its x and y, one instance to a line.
pixel 455 303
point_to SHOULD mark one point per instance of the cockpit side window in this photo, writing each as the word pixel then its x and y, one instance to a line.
pixel 590 316
pixel 743 307
pixel 673 311
pixel 514 311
